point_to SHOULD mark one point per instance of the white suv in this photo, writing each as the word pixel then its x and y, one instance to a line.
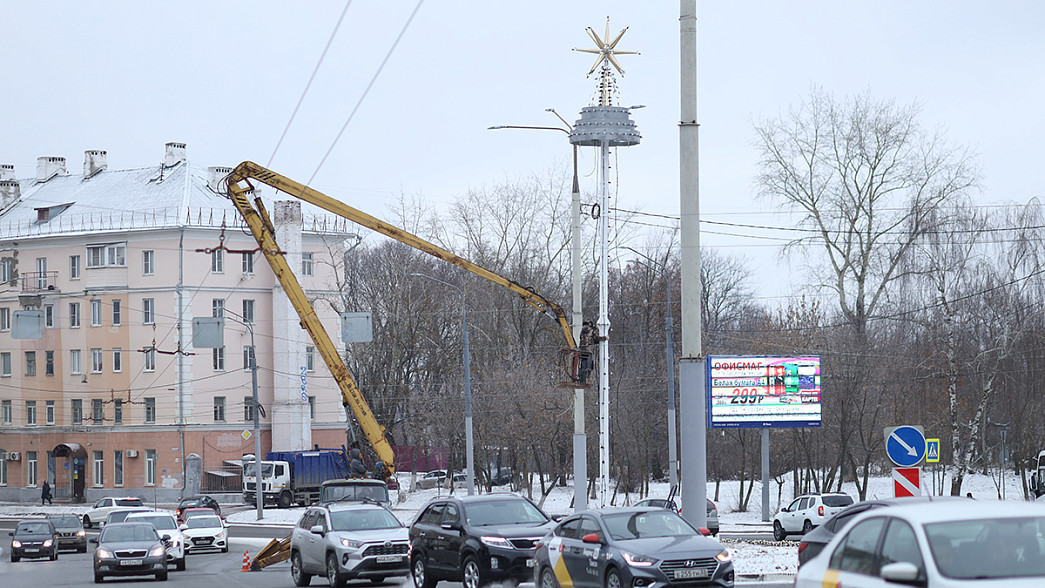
pixel 165 525
pixel 807 512
pixel 103 507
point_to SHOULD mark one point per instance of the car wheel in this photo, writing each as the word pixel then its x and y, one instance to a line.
pixel 54 555
pixel 548 579
pixel 297 573
pixel 15 558
pixel 778 531
pixel 334 577
pixel 83 549
pixel 180 564
pixel 471 576
pixel 612 578
pixel 807 527
pixel 285 500
pixel 98 578
pixel 419 571
pixel 161 576
pixel 86 521
pixel 225 549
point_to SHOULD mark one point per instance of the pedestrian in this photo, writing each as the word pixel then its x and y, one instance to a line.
pixel 45 494
pixel 356 468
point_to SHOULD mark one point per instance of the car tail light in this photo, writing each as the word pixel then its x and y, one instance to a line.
pixel 802 547
pixel 820 511
pixel 704 531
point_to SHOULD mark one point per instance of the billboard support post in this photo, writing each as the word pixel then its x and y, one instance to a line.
pixel 765 474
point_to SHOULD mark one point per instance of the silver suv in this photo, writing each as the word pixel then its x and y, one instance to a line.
pixel 807 512
pixel 346 541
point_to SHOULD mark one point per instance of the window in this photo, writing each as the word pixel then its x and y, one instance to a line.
pixel 217 307
pixel 219 409
pixel 117 359
pixel 99 468
pixel 148 262
pixel 248 311
pixel 306 264
pixel 30 412
pixel 248 357
pixel 117 411
pixel 148 311
pixel 218 358
pixel 5 271
pixel 150 410
pixel 312 407
pixel 6 409
pixel 856 553
pixel 112 254
pixel 75 366
pixel 49 412
pixel 248 408
pixel 248 262
pixel 74 315
pixel 117 467
pixel 48 315
pixel 74 267
pixel 96 361
pixel 97 411
pixel 310 358
pixel 150 467
pixel 41 273
pixel 77 411
pixel 3 471
pixel 217 261
pixel 96 313
pixel 5 364
pixel 30 363
pixel 48 363
pixel 117 313
pixel 150 360
pixel 900 544
pixel 5 319
pixel 30 468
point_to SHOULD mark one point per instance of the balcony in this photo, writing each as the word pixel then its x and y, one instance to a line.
pixel 39 281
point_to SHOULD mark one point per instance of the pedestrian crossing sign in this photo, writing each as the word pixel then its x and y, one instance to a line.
pixel 932 450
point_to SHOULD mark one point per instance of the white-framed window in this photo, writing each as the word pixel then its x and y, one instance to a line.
pixel 74 267
pixel 248 357
pixel 74 315
pixel 99 469
pixel 117 359
pixel 150 467
pixel 97 411
pixel 48 363
pixel 107 255
pixel 311 408
pixel 30 363
pixel 248 262
pixel 217 307
pixel 148 311
pixel 5 318
pixel 7 410
pixel 248 311
pixel 96 313
pixel 148 262
pixel 75 364
pixel 217 261
pixel 150 360
pixel 5 364
pixel 5 270
pixel 248 408
pixel 218 358
pixel 48 315
pixel 117 313
pixel 117 411
pixel 49 412
pixel 30 469
pixel 117 467
pixel 77 410
pixel 3 471
pixel 150 410
pixel 219 409
pixel 306 264
pixel 41 273
pixel 96 361
pixel 30 412
pixel 310 358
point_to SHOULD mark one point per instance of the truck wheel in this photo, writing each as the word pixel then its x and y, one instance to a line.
pixel 285 499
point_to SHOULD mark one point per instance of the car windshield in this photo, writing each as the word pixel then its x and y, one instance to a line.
pixel 129 502
pixel 118 516
pixel 122 533
pixel 989 548
pixel 360 492
pixel 363 520
pixel 840 500
pixel 66 521
pixel 504 512
pixel 203 522
pixel 34 528
pixel 640 525
pixel 161 522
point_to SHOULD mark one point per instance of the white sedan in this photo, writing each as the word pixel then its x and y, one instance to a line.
pixel 165 525
pixel 205 532
pixel 943 544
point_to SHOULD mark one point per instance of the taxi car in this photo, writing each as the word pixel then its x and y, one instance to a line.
pixel 206 531
pixel 943 544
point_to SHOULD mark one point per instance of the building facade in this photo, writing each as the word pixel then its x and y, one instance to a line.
pixel 113 397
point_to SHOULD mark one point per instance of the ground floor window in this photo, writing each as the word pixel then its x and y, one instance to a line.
pixel 150 467
pixel 30 468
pixel 117 467
pixel 3 468
pixel 99 469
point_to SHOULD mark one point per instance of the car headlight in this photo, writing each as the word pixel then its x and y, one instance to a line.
pixel 497 542
pixel 351 543
pixel 81 533
pixel 724 556
pixel 157 551
pixel 48 543
pixel 220 535
pixel 639 561
pixel 102 553
pixel 17 544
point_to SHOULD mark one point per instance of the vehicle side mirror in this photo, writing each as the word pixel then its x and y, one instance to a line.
pixel 11 534
pixel 317 530
pixel 93 540
pixel 165 537
pixel 558 517
pixel 591 538
pixel 902 572
pixel 704 531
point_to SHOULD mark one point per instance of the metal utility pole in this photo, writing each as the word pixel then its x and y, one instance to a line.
pixel 693 410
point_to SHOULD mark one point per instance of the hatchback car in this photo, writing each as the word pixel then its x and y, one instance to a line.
pixel 206 531
pixel 197 502
pixel 32 539
pixel 130 549
pixel 942 544
pixel 69 532
pixel 348 540
pixel 166 526
pixel 103 507
pixel 807 512
pixel 648 547
pixel 476 539
pixel 432 479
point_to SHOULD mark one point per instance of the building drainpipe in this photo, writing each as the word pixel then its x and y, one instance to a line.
pixel 181 356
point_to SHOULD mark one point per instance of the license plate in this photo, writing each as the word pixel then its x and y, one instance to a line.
pixel 130 562
pixel 531 563
pixel 389 558
pixel 32 550
pixel 695 573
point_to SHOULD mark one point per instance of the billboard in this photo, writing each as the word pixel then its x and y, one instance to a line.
pixel 763 391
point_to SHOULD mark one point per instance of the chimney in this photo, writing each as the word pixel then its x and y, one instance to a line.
pixel 7 171
pixel 94 161
pixel 49 167
pixel 215 175
pixel 10 192
pixel 175 154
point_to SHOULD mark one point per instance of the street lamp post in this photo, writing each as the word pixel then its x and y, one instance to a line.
pixel 469 446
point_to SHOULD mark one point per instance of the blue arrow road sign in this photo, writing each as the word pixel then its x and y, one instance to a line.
pixel 905 446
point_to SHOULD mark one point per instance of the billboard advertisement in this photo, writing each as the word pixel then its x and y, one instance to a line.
pixel 763 391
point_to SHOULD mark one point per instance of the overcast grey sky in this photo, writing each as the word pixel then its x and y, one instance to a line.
pixel 224 77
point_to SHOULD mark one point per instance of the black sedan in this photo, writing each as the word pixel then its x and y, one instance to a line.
pixel 638 547
pixel 197 502
pixel 130 549
pixel 34 538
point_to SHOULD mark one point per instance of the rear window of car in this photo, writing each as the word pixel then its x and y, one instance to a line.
pixel 838 500
pixel 129 502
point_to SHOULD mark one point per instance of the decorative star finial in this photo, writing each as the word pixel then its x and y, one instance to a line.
pixel 606 49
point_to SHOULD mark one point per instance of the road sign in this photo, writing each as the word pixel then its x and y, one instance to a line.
pixel 245 434
pixel 932 450
pixel 905 445
pixel 907 482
